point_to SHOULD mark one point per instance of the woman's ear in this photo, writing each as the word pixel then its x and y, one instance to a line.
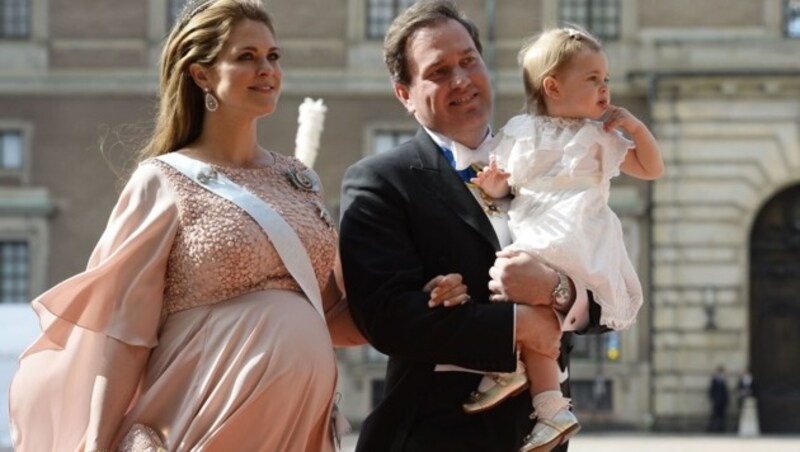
pixel 199 75
pixel 551 88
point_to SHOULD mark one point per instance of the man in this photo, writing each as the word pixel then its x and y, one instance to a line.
pixel 718 394
pixel 408 216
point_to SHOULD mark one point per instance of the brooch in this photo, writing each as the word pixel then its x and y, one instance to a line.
pixel 207 175
pixel 302 180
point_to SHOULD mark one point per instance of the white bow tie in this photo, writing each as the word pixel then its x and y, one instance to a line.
pixel 466 157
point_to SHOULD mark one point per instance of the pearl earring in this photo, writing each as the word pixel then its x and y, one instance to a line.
pixel 211 101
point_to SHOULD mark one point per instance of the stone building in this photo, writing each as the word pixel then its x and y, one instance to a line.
pixel 715 241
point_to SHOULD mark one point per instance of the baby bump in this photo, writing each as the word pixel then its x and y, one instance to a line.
pixel 219 370
pixel 278 326
pixel 246 345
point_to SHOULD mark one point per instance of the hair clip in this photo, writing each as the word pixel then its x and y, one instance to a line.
pixel 573 33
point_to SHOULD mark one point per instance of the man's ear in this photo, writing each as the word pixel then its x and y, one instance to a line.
pixel 199 75
pixel 403 94
pixel 551 87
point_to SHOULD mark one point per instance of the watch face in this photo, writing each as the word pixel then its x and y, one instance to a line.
pixel 562 296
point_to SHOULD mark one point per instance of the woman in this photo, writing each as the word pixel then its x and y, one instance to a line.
pixel 187 321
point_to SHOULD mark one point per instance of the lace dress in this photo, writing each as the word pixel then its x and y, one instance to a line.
pixel 240 359
pixel 561 171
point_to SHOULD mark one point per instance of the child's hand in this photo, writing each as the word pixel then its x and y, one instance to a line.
pixel 446 290
pixel 620 118
pixel 492 180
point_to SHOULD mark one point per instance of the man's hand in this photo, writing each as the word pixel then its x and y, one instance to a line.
pixel 519 277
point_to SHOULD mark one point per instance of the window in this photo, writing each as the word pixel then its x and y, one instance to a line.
pixel 15 19
pixel 386 140
pixel 791 15
pixel 600 17
pixel 174 10
pixel 11 149
pixel 597 347
pixel 14 272
pixel 381 13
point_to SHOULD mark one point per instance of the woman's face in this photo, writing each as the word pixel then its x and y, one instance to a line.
pixel 246 76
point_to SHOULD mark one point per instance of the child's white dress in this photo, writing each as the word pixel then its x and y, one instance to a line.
pixel 560 174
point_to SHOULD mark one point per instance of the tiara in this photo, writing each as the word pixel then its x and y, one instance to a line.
pixel 191 8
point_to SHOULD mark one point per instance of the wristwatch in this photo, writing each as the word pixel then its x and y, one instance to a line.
pixel 562 294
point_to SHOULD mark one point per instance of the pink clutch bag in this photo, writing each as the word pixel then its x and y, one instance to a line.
pixel 141 438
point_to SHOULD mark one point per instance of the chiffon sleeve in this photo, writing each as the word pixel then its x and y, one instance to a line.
pixel 119 295
pixel 121 291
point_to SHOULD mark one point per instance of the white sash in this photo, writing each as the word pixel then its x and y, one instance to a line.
pixel 283 237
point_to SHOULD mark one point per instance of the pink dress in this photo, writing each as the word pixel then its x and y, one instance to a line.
pixel 240 360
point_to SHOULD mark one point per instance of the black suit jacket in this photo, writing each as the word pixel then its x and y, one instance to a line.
pixel 407 217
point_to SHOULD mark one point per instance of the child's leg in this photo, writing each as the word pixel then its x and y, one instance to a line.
pixel 542 372
pixel 555 424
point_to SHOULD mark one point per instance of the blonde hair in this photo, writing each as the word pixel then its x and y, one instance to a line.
pixel 547 53
pixel 197 37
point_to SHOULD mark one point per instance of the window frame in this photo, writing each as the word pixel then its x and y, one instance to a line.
pixel 791 16
pixel 25 129
pixel 28 11
pixel 372 131
pixel 379 32
pixel 26 273
pixel 589 8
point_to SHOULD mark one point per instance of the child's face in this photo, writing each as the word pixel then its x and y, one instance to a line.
pixel 583 87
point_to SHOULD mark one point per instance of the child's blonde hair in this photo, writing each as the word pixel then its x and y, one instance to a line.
pixel 544 55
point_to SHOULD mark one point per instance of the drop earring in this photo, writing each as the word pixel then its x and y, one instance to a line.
pixel 211 101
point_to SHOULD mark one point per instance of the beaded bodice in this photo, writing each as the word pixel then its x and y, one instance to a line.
pixel 220 252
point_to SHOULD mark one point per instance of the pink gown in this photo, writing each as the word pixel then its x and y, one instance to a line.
pixel 239 360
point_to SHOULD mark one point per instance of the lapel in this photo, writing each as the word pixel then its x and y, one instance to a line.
pixel 444 185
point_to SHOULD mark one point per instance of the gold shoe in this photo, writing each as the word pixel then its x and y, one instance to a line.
pixel 548 434
pixel 505 386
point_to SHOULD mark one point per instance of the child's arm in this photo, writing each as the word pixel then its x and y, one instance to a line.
pixel 492 180
pixel 446 290
pixel 644 161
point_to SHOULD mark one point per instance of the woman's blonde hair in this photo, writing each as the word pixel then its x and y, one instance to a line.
pixel 197 37
pixel 544 55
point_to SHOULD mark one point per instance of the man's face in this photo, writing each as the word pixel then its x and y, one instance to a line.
pixel 449 90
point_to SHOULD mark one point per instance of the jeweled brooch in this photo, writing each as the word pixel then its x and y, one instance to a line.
pixel 302 180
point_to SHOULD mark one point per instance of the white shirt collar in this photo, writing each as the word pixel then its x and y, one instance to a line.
pixel 463 155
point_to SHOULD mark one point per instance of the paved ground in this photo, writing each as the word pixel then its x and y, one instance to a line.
pixel 673 443
pixel 657 443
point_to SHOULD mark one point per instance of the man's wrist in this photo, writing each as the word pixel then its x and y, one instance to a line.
pixel 563 295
